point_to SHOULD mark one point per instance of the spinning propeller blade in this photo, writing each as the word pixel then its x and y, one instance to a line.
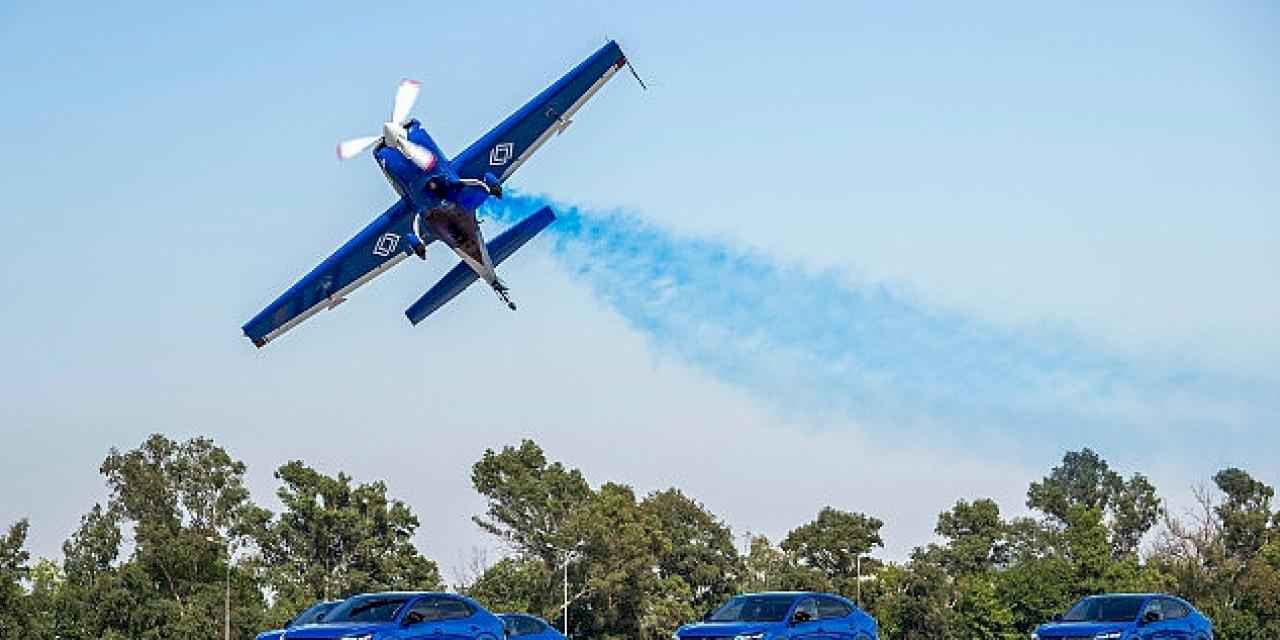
pixel 406 95
pixel 352 148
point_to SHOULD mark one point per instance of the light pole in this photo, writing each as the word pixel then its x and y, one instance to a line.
pixel 569 555
pixel 859 602
pixel 226 599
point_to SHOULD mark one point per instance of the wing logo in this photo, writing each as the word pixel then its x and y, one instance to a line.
pixel 501 154
pixel 386 245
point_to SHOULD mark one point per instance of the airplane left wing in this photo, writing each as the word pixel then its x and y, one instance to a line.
pixel 377 248
pixel 513 141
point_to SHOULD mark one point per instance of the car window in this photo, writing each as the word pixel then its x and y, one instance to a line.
pixel 829 608
pixel 754 608
pixel 371 608
pixel 807 607
pixel 1173 609
pixel 435 609
pixel 528 626
pixel 1154 606
pixel 1105 609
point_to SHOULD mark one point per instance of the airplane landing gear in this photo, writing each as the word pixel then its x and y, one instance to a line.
pixel 504 293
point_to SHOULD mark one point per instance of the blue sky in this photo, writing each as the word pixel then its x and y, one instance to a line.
pixel 904 245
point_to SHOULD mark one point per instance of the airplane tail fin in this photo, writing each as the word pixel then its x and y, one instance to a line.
pixel 461 276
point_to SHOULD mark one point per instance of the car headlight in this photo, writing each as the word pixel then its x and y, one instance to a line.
pixel 1110 635
pixel 1035 636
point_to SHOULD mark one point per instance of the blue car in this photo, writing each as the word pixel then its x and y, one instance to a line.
pixel 402 616
pixel 528 627
pixel 789 615
pixel 1128 616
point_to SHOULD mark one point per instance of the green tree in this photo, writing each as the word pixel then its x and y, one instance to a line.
pixel 185 502
pixel 975 537
pixel 13 571
pixel 1245 514
pixel 620 545
pixel 517 584
pixel 1085 481
pixel 834 543
pixel 769 568
pixel 529 500
pixel 335 538
pixel 701 551
pixel 979 612
pixel 914 599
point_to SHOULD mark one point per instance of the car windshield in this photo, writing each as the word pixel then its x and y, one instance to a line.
pixel 376 608
pixel 313 614
pixel 1106 609
pixel 753 609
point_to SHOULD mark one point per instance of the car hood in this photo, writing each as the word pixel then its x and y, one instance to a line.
pixel 723 629
pixel 1079 629
pixel 336 630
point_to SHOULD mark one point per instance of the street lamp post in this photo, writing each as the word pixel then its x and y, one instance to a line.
pixel 569 555
pixel 859 603
pixel 566 596
pixel 226 596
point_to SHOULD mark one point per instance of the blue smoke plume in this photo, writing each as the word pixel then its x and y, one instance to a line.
pixel 821 344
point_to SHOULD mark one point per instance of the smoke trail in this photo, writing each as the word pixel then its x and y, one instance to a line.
pixel 818 342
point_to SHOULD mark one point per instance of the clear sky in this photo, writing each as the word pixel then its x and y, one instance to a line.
pixel 865 255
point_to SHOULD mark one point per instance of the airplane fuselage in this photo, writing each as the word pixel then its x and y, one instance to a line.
pixel 444 206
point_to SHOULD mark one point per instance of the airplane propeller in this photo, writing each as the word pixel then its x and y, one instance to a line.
pixel 393 132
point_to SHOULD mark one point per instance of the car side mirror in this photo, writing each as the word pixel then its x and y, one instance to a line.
pixel 1150 616
pixel 801 617
pixel 1057 617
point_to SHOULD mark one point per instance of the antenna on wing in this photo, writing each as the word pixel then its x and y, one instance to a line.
pixel 635 75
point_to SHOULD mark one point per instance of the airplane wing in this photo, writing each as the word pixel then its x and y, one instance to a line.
pixel 508 145
pixel 375 249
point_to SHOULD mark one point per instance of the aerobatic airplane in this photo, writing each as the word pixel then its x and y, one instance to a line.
pixel 438 201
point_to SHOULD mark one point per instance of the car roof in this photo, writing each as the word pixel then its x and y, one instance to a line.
pixel 791 593
pixel 409 593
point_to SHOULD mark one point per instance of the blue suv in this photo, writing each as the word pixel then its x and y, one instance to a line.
pixel 402 616
pixel 785 615
pixel 1128 616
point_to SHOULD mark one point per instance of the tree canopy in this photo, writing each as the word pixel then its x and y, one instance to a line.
pixel 180 528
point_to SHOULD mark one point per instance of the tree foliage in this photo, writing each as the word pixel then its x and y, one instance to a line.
pixel 334 539
pixel 179 529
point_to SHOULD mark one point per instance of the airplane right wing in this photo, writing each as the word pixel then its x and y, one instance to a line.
pixel 513 141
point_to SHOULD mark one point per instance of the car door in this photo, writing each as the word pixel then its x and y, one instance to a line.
pixel 1177 617
pixel 420 623
pixel 805 622
pixel 439 618
pixel 834 619
pixel 535 629
pixel 1151 624
pixel 458 620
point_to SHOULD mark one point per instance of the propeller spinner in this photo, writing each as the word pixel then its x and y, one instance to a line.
pixel 394 134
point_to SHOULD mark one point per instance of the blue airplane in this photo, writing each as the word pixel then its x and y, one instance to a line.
pixel 438 201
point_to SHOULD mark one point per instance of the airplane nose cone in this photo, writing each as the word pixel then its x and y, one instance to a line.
pixel 391 131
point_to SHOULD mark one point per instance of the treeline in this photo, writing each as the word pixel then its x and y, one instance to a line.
pixel 180 529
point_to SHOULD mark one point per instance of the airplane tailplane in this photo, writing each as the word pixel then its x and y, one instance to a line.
pixel 461 276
